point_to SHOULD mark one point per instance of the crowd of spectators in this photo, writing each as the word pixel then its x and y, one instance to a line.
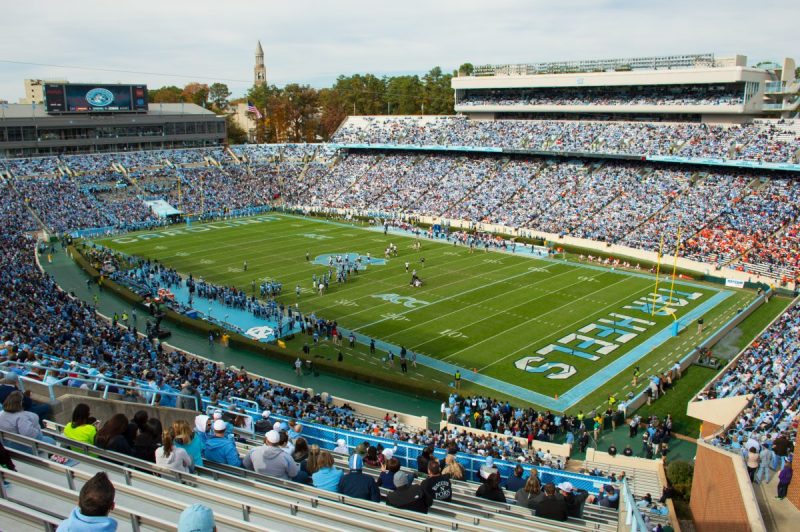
pixel 752 141
pixel 726 217
pixel 768 369
pixel 608 96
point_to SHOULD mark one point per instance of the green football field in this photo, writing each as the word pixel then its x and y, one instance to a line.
pixel 551 326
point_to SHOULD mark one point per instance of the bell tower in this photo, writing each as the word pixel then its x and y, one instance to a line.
pixel 259 71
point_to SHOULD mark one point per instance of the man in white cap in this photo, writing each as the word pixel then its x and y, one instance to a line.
pixel 341 447
pixel 197 518
pixel 487 469
pixel 219 448
pixel 263 425
pixel 389 453
pixel 576 499
pixel 269 459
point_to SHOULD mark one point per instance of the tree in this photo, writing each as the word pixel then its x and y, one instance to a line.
pixel 218 93
pixel 170 94
pixel 466 69
pixel 438 95
pixel 196 93
pixel 235 134
pixel 404 95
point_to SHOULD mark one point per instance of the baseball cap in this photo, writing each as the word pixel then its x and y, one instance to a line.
pixel 273 436
pixel 265 414
pixel 196 518
pixel 401 478
pixel 217 414
pixel 355 462
pixel 219 425
pixel 388 453
pixel 565 486
pixel 340 442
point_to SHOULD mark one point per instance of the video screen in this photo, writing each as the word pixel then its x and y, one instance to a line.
pixel 85 98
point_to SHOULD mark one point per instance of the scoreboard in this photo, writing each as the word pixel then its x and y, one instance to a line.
pixel 86 98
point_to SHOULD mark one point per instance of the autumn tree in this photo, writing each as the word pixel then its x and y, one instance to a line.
pixel 196 93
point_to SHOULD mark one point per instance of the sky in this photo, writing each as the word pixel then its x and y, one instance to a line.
pixel 173 42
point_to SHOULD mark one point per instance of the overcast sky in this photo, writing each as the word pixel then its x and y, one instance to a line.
pixel 313 41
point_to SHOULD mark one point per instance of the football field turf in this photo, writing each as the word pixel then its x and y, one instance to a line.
pixel 551 326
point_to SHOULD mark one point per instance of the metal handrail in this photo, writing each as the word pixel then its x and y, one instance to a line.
pixel 106 388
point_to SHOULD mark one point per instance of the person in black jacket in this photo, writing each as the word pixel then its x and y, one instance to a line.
pixel 264 425
pixel 357 484
pixel 491 489
pixel 437 485
pixel 552 506
pixel 111 435
pixel 423 460
pixel 575 498
pixel 515 482
pixel 148 440
pixel 408 496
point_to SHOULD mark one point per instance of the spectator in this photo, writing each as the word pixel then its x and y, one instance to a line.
pixel 487 469
pixel 188 440
pixel 112 435
pixel 371 458
pixel 516 482
pixel 358 485
pixel 607 497
pixel 171 456
pixel 612 450
pixel 15 420
pixel 83 427
pixel 341 447
pixel 552 505
pixel 222 449
pixel 753 460
pixel 575 499
pixel 269 459
pixel 327 477
pixel 407 495
pixel 9 384
pixel 202 427
pixel 148 440
pixel 437 485
pixel 197 518
pixel 784 479
pixel 490 489
pixel 95 502
pixel 423 459
pixel 453 468
pixel 264 425
pixel 388 471
pixel 194 401
pixel 300 453
pixel 312 463
pixel 530 495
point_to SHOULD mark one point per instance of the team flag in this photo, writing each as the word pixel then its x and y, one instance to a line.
pixel 253 109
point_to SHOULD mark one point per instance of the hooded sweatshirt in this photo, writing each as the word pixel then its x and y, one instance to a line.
pixel 327 478
pixel 77 522
pixel 194 449
pixel 200 423
pixel 221 450
pixel 271 461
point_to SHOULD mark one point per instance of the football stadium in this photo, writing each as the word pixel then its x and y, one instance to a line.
pixel 563 300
